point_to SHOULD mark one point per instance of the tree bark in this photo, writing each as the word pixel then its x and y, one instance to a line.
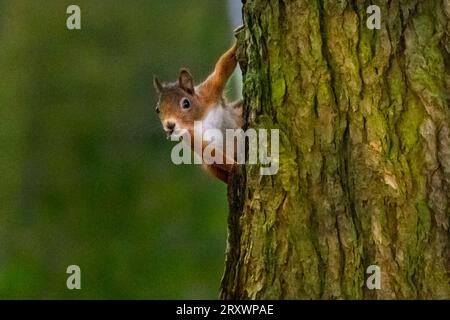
pixel 364 173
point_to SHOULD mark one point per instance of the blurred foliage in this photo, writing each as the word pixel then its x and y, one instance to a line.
pixel 85 170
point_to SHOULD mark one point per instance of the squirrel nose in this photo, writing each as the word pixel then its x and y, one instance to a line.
pixel 170 125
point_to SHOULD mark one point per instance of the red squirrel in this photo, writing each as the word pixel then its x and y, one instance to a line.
pixel 181 103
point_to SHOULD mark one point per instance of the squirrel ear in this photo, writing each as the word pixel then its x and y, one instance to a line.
pixel 186 81
pixel 158 86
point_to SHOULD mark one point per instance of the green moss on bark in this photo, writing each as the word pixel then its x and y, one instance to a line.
pixel 364 153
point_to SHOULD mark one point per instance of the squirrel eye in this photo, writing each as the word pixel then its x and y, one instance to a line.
pixel 157 109
pixel 185 103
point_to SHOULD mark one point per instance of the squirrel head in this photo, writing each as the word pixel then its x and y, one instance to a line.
pixel 178 105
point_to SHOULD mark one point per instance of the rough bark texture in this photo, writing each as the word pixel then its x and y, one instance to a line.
pixel 364 152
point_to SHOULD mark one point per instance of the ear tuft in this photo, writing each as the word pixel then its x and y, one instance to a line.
pixel 158 86
pixel 186 81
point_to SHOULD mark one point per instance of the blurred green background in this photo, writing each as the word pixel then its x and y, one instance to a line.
pixel 85 170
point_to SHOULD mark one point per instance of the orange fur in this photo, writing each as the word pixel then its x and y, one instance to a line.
pixel 203 98
pixel 211 90
pixel 217 172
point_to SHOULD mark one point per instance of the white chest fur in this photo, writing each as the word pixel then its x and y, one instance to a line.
pixel 221 118
pixel 218 118
pixel 214 119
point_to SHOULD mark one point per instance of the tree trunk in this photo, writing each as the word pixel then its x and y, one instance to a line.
pixel 364 173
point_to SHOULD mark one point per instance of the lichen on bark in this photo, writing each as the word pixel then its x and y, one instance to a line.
pixel 364 173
